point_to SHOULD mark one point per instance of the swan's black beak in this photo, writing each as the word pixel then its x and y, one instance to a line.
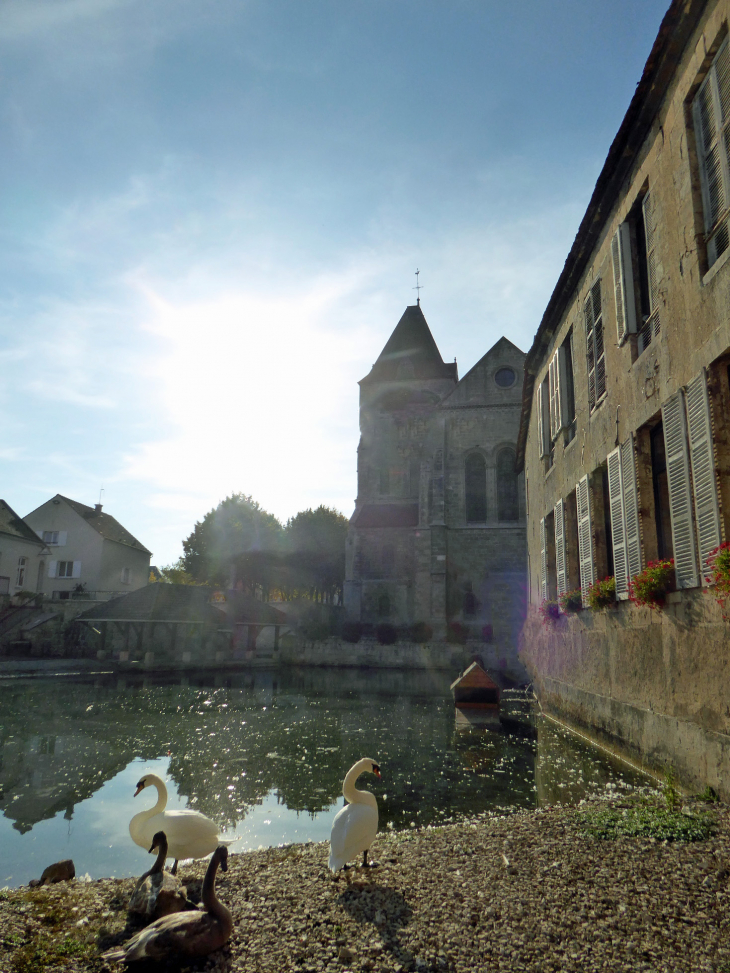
pixel 376 771
pixel 154 846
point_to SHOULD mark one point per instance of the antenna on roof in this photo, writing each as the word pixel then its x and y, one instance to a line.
pixel 100 493
pixel 418 288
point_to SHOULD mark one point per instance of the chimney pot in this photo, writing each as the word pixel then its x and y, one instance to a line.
pixel 97 508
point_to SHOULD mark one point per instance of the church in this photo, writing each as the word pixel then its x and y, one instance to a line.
pixel 438 533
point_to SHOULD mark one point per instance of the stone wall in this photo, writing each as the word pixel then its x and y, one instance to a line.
pixel 656 684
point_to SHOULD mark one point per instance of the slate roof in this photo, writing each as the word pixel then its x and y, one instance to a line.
pixel 105 524
pixel 386 515
pixel 240 607
pixel 159 603
pixel 411 341
pixel 15 526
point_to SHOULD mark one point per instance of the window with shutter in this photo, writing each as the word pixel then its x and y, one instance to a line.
pixel 680 494
pixel 543 561
pixel 560 560
pixel 704 483
pixel 52 568
pixel 650 325
pixel 585 538
pixel 595 351
pixel 618 526
pixel 543 418
pixel 632 523
pixel 711 110
pixel 623 282
pixel 554 385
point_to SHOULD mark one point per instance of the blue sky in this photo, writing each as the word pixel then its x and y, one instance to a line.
pixel 211 214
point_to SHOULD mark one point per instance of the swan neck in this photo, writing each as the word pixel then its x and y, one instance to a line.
pixel 161 856
pixel 212 906
pixel 161 797
pixel 349 791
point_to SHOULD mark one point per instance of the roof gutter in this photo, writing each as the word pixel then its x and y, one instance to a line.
pixel 676 28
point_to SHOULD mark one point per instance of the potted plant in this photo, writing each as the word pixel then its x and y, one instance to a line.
pixel 550 611
pixel 718 574
pixel 651 585
pixel 602 594
pixel 571 601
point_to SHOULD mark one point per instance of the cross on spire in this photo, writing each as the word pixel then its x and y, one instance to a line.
pixel 418 288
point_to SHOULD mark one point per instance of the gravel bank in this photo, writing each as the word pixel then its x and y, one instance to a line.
pixel 526 892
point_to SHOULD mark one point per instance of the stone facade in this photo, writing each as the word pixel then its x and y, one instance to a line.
pixel 438 532
pixel 625 428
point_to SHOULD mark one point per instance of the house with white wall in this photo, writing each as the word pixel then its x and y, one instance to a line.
pixel 90 550
pixel 23 555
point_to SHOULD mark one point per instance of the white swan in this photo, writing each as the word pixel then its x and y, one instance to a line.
pixel 189 833
pixel 356 824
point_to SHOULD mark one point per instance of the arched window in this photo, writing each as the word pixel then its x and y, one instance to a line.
pixel 475 476
pixel 507 502
pixel 384 606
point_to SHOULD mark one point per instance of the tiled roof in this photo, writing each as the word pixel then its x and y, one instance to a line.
pixel 386 515
pixel 11 523
pixel 411 344
pixel 242 607
pixel 106 525
pixel 159 603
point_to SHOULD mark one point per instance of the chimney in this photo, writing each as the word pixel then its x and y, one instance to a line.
pixel 97 508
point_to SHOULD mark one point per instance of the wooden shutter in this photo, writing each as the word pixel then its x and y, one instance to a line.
pixel 585 538
pixel 632 523
pixel 543 561
pixel 704 482
pixel 623 282
pixel 543 418
pixel 651 327
pixel 618 528
pixel 560 561
pixel 680 500
pixel 52 567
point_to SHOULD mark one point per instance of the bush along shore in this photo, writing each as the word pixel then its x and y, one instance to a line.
pixel 629 884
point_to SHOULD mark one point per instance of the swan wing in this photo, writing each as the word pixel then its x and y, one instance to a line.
pixel 180 934
pixel 189 833
pixel 353 831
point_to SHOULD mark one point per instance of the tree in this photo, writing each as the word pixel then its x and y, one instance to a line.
pixel 237 543
pixel 315 554
pixel 173 574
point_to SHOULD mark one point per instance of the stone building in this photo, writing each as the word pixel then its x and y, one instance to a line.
pixel 438 532
pixel 625 429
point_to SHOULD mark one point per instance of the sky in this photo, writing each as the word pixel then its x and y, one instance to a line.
pixel 211 215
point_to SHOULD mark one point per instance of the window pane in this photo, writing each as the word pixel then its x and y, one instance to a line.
pixel 475 470
pixel 507 498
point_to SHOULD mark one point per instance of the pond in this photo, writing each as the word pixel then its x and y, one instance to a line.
pixel 262 753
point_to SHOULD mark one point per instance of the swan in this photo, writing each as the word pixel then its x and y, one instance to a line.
pixel 356 824
pixel 189 833
pixel 184 934
pixel 157 893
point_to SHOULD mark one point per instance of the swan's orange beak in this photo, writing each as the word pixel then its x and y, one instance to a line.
pixel 376 771
pixel 140 787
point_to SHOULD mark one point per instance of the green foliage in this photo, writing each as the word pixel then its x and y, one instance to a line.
pixel 651 585
pixel 670 790
pixel 571 601
pixel 602 594
pixel 173 574
pixel 313 565
pixel 718 574
pixel 709 795
pixel 646 821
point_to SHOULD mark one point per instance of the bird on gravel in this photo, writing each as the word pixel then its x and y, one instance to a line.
pixel 356 824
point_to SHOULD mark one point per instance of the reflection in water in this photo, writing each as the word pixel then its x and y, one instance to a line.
pixel 262 753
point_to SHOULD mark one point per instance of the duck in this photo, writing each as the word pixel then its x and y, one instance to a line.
pixel 184 934
pixel 157 892
pixel 190 834
pixel 355 825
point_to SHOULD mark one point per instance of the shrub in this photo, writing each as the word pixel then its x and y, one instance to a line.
pixel 602 594
pixel 550 611
pixel 650 586
pixel 351 631
pixel 457 633
pixel 421 632
pixel 718 574
pixel 386 633
pixel 571 601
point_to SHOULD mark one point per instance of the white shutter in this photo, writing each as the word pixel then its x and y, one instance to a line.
pixel 631 508
pixel 704 483
pixel 76 569
pixel 618 530
pixel 623 282
pixel 711 116
pixel 543 561
pixel 554 401
pixel 595 351
pixel 560 563
pixel 62 535
pixel 585 538
pixel 590 351
pixel 52 566
pixel 543 413
pixel 680 502
pixel 650 328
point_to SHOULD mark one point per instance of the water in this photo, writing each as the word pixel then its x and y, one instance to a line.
pixel 262 753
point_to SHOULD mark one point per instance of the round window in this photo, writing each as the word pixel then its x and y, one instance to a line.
pixel 505 378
